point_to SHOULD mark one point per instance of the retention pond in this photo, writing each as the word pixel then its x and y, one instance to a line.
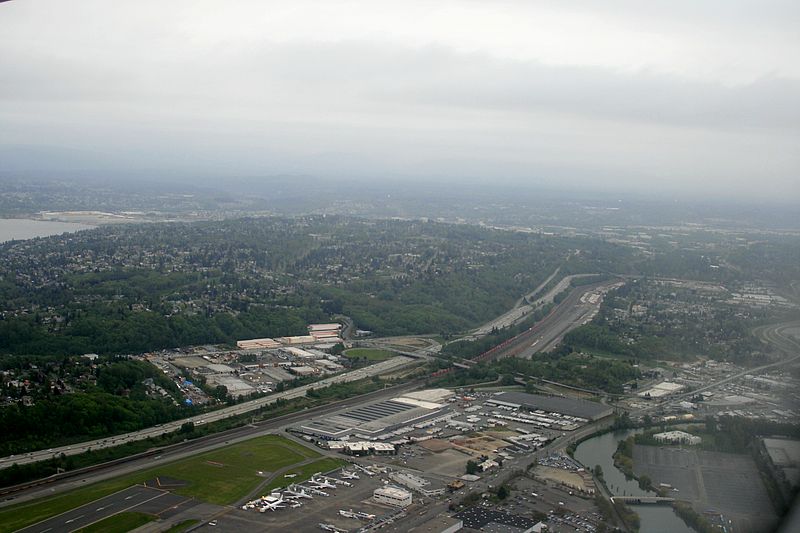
pixel 599 451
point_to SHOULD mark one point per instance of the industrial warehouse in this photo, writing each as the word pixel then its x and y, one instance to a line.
pixel 554 404
pixel 439 420
pixel 378 421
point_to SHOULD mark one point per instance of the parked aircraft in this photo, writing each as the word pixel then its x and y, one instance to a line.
pixel 321 484
pixel 293 493
pixel 272 504
pixel 368 472
pixel 315 492
pixel 357 515
pixel 332 528
pixel 349 475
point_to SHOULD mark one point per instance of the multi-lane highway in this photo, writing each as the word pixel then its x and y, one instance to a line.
pixel 576 309
pixel 383 367
pixel 80 478
pixel 521 310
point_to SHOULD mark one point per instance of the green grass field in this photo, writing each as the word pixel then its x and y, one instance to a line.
pixel 221 476
pixel 119 523
pixel 372 354
pixel 228 474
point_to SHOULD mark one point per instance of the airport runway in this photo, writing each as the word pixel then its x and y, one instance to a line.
pixel 137 498
pixel 211 442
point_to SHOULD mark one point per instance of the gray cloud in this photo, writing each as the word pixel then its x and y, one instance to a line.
pixel 163 88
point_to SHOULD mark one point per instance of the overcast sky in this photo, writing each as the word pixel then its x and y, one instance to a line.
pixel 696 95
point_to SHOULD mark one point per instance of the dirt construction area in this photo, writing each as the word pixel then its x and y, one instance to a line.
pixel 447 463
pixel 480 444
pixel 715 482
pixel 559 475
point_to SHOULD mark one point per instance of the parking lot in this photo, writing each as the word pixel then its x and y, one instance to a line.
pixel 726 483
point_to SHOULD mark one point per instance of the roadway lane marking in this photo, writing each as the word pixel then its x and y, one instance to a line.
pixel 52 518
pixel 160 494
pixel 73 519
pixel 116 513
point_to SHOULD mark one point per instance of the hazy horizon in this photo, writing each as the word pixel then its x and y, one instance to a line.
pixel 669 99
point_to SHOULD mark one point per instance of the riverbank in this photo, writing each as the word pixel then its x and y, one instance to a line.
pixel 599 450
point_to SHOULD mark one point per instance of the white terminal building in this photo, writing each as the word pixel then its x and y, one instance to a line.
pixel 393 496
pixel 677 437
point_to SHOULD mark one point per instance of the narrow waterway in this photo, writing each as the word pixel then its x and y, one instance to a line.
pixel 600 451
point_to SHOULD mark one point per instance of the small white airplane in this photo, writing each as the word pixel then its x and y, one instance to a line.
pixel 349 475
pixel 358 515
pixel 368 472
pixel 321 484
pixel 331 527
pixel 293 493
pixel 295 505
pixel 290 475
pixel 315 492
pixel 272 502
pixel 272 506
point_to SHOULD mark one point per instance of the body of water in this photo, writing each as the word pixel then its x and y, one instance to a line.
pixel 23 228
pixel 600 451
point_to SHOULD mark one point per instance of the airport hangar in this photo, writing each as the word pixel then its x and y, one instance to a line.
pixel 379 420
pixel 591 411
